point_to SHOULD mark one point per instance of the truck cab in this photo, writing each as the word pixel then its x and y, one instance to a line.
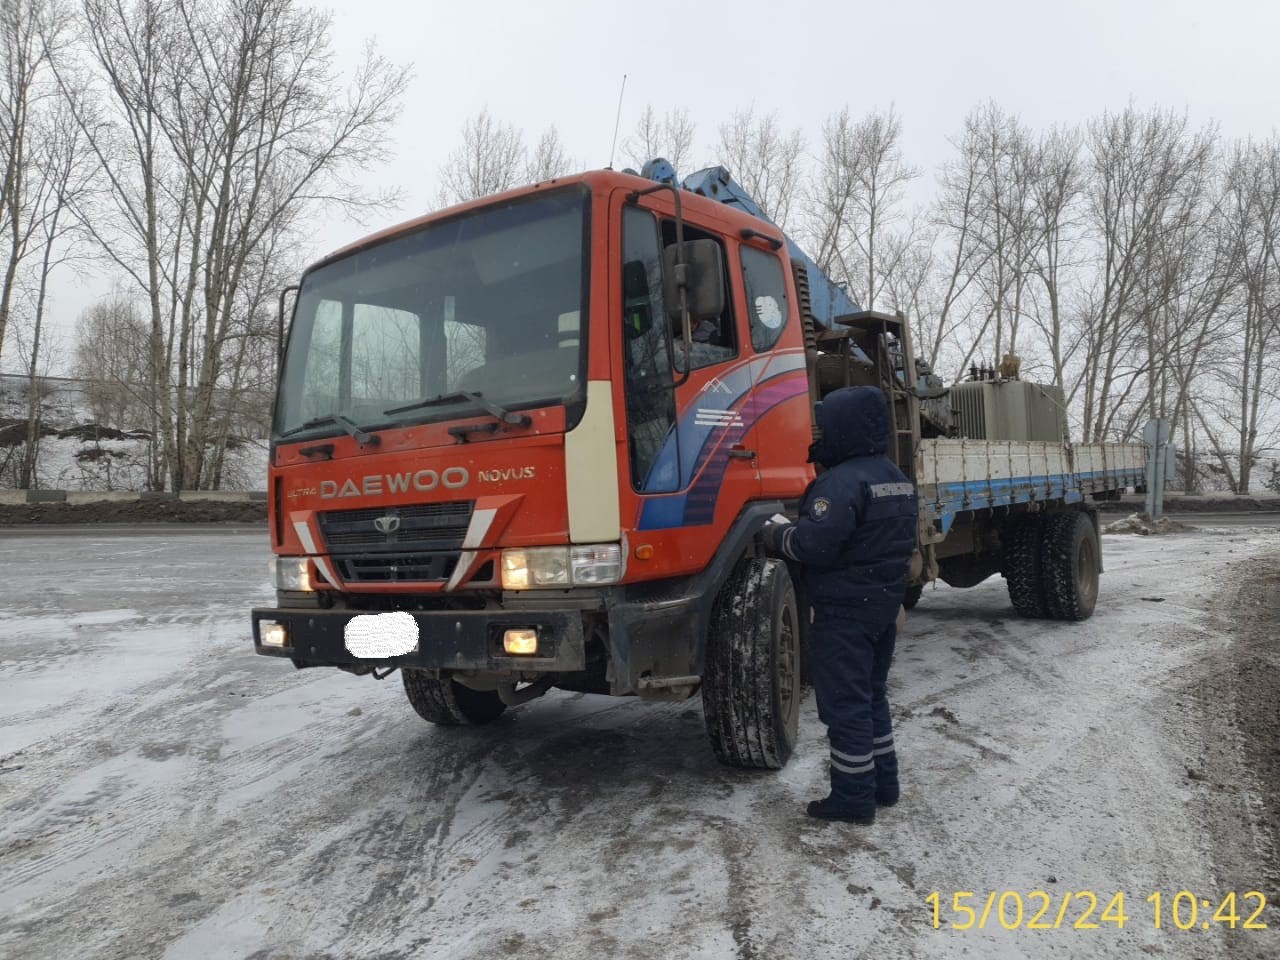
pixel 541 431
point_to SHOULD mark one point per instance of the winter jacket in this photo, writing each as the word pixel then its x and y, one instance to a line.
pixel 857 526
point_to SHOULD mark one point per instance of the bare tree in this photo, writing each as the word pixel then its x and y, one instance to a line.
pixel 549 159
pixel 961 257
pixel 1248 375
pixel 29 30
pixel 856 197
pixel 829 196
pixel 220 125
pixel 765 160
pixel 1057 185
pixel 670 137
pixel 488 161
pixel 112 356
pixel 1144 168
pixel 1000 163
pixel 880 179
pixel 62 186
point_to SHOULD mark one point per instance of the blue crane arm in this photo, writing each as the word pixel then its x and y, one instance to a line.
pixel 827 299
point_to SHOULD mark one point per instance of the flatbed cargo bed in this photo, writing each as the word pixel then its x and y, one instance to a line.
pixel 959 475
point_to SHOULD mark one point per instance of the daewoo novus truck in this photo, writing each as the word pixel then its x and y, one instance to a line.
pixel 529 442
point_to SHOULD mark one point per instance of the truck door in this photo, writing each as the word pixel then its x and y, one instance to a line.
pixel 685 415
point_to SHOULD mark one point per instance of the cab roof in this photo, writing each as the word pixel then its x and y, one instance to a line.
pixel 598 181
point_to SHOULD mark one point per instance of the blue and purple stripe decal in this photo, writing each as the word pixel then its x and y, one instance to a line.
pixel 719 417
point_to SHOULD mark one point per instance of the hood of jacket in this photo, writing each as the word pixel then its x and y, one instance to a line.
pixel 854 422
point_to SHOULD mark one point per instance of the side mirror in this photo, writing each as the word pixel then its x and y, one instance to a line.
pixel 703 269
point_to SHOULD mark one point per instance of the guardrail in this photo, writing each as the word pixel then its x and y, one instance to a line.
pixel 17 497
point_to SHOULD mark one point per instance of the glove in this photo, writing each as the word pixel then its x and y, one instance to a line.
pixel 772 535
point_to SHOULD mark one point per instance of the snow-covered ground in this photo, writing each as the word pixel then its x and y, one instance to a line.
pixel 166 793
pixel 77 463
pixel 68 463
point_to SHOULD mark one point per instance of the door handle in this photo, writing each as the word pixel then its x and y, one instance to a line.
pixel 741 453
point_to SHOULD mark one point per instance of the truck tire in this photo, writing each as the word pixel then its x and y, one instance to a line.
pixel 1023 567
pixel 449 703
pixel 914 592
pixel 751 682
pixel 1069 565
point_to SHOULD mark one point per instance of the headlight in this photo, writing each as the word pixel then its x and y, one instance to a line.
pixel 531 567
pixel 291 573
pixel 535 567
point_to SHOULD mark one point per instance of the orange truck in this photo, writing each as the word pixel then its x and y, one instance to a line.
pixel 529 442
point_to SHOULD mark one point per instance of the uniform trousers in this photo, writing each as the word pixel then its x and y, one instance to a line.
pixel 851 658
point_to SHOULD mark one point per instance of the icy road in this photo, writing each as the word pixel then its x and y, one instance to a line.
pixel 166 793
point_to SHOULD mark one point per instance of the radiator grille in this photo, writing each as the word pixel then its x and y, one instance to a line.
pixel 418 529
pixel 420 543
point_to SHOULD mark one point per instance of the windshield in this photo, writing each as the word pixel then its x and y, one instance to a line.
pixel 492 303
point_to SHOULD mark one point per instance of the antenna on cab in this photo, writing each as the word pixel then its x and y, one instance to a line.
pixel 617 121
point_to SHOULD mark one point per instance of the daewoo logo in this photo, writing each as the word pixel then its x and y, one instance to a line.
pixel 376 484
pixel 388 524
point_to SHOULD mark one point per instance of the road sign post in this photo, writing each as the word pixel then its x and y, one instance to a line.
pixel 1156 436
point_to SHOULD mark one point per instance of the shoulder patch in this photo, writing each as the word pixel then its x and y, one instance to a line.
pixel 820 508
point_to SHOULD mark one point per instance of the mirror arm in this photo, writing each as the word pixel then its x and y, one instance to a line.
pixel 682 280
pixel 280 329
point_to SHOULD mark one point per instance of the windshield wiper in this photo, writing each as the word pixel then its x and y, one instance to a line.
pixel 361 435
pixel 506 416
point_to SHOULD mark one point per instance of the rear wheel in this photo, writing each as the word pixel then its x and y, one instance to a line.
pixel 449 703
pixel 751 683
pixel 1070 566
pixel 1023 547
pixel 914 592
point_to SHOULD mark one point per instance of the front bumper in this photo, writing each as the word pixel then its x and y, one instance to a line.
pixel 447 639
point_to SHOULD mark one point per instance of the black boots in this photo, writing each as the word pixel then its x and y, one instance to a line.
pixel 826 810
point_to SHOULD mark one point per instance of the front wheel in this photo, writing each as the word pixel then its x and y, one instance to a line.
pixel 446 702
pixel 751 682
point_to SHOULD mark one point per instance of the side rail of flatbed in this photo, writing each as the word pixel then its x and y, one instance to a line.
pixel 958 475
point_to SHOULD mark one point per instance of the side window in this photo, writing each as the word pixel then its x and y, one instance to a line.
pixel 649 394
pixel 715 340
pixel 766 288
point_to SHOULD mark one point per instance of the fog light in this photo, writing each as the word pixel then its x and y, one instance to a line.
pixel 274 635
pixel 520 643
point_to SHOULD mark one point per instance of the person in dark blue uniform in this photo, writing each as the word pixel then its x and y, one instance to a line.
pixel 854 538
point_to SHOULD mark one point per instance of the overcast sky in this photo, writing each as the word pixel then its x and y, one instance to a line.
pixel 538 64
pixel 562 63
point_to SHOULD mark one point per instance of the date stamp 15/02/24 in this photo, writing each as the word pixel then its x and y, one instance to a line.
pixel 1087 910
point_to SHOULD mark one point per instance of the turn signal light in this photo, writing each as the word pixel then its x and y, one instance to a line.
pixel 520 643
